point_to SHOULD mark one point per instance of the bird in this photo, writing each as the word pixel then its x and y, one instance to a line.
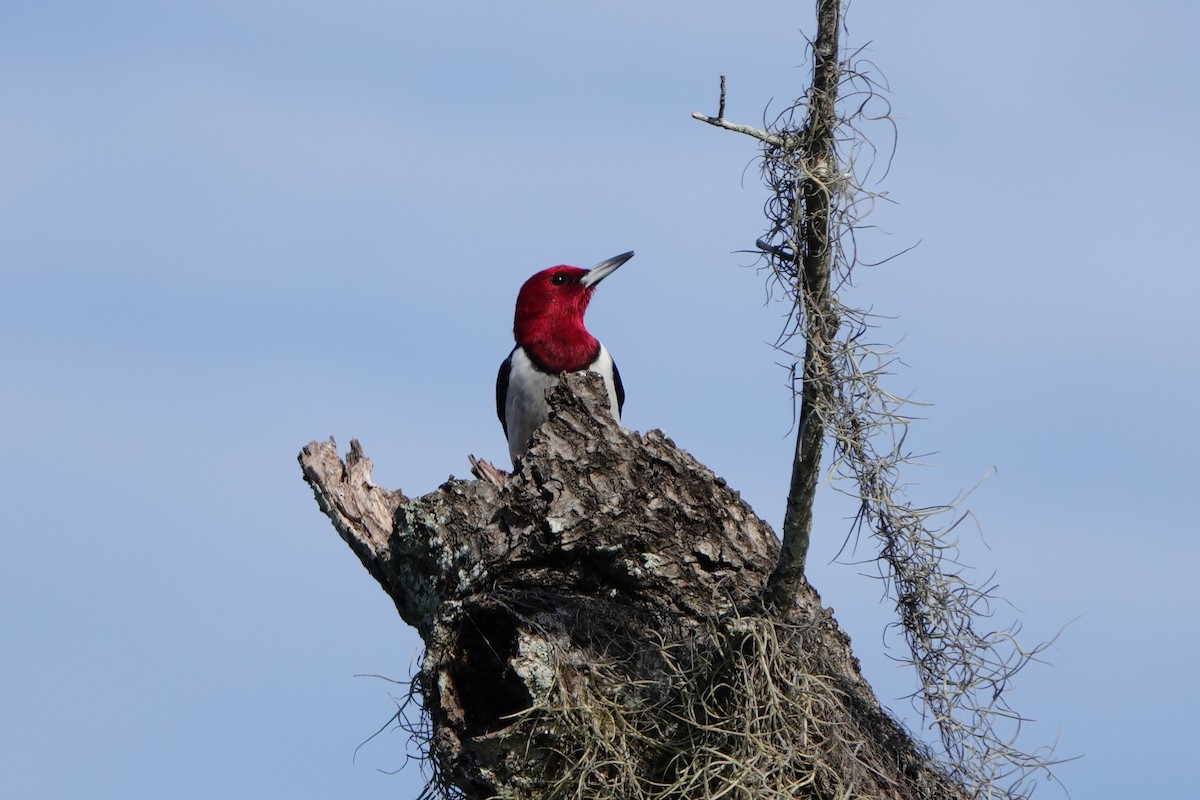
pixel 550 340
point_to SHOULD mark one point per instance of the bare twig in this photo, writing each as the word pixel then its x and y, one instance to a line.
pixel 774 141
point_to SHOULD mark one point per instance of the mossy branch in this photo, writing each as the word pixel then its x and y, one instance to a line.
pixel 816 161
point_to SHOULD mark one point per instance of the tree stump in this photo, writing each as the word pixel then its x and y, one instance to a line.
pixel 595 628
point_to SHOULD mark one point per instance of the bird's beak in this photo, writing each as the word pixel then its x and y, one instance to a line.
pixel 604 269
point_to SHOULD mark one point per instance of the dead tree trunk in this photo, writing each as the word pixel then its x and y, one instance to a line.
pixel 595 628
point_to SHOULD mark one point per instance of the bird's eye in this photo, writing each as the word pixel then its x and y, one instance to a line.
pixel 559 279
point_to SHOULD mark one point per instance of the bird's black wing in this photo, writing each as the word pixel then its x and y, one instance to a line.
pixel 620 389
pixel 502 389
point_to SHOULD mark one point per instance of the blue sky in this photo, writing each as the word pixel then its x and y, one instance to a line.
pixel 228 228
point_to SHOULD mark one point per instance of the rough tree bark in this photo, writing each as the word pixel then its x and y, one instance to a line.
pixel 595 628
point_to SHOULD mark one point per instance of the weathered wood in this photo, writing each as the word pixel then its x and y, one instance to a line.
pixel 592 611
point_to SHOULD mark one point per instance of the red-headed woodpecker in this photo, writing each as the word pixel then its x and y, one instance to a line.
pixel 551 340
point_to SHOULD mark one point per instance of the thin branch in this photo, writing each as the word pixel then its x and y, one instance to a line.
pixel 809 226
pixel 774 141
pixel 817 161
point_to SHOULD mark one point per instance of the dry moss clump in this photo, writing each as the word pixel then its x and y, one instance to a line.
pixel 739 708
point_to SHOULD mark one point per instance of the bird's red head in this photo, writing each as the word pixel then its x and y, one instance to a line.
pixel 549 318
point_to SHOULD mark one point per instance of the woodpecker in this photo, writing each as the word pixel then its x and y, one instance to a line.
pixel 551 340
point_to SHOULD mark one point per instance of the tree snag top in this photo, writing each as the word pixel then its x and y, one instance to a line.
pixel 597 619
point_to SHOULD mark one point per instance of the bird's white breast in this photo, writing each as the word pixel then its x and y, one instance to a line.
pixel 525 406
